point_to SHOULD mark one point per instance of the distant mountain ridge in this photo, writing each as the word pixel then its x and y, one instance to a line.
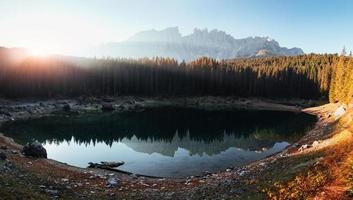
pixel 170 43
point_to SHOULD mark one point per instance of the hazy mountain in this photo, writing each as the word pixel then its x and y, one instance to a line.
pixel 170 43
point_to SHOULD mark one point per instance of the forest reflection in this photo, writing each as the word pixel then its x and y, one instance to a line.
pixel 163 130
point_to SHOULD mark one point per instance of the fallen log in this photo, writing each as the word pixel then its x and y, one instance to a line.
pixel 108 167
pixel 105 164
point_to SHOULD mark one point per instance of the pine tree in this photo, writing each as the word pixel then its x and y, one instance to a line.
pixel 336 84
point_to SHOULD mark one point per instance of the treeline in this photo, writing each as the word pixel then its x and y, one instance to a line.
pixel 341 89
pixel 305 76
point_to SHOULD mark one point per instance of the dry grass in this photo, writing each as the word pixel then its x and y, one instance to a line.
pixel 329 178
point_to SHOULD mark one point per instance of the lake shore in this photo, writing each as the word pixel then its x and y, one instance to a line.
pixel 24 109
pixel 50 178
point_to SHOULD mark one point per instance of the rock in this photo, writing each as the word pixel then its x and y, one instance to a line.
pixel 315 143
pixel 304 146
pixel 42 187
pixel 52 192
pixel 35 150
pixel 242 173
pixel 8 165
pixel 5 113
pixel 339 112
pixel 67 107
pixel 107 107
pixel 3 147
pixel 2 156
pixel 65 180
pixel 113 182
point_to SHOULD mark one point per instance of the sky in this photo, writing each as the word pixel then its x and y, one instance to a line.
pixel 51 26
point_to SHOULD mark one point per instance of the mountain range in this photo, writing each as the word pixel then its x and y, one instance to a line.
pixel 170 43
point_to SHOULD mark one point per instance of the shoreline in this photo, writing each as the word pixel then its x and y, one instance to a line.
pixel 141 183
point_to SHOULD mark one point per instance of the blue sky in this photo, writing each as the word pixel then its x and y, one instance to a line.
pixel 314 25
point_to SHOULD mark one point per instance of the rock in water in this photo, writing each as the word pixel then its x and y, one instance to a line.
pixel 34 149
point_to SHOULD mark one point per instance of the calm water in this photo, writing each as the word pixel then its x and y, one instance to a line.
pixel 167 142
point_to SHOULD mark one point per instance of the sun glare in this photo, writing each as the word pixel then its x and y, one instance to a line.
pixel 38 51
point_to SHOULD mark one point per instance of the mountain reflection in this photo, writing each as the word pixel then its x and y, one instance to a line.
pixel 164 130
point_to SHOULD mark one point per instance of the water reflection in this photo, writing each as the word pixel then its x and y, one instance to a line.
pixel 166 141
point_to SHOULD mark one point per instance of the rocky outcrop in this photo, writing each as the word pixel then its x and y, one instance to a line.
pixel 170 43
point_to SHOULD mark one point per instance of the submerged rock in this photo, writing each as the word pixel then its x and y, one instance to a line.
pixel 34 149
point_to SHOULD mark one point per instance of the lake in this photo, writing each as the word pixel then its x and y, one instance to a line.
pixel 166 141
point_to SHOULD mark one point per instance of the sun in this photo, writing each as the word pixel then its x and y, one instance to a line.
pixel 38 52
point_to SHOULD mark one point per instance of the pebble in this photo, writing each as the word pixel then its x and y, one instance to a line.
pixel 52 192
pixel 65 180
pixel 113 182
pixel 304 146
pixel 315 143
pixel 242 173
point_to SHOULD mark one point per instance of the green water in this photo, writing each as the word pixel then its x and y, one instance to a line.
pixel 167 142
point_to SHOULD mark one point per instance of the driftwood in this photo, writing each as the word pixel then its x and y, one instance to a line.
pixel 105 164
pixel 111 166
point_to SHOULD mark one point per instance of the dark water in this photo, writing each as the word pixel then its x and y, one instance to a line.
pixel 166 142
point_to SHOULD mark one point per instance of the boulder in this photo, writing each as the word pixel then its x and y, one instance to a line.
pixel 34 149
